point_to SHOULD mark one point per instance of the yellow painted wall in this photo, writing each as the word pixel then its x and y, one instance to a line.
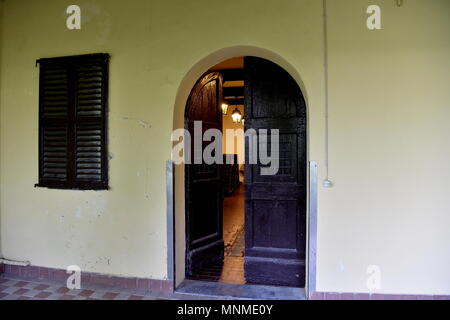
pixel 1 43
pixel 232 145
pixel 389 105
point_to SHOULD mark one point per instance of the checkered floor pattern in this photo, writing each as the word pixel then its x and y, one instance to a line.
pixel 14 288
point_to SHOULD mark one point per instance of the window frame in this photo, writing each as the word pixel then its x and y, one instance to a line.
pixel 72 120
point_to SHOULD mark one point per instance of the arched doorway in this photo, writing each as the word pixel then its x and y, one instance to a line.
pixel 275 204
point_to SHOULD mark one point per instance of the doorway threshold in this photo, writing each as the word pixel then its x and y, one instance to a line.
pixel 226 291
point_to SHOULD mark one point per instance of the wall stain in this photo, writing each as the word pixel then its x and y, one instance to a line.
pixel 144 124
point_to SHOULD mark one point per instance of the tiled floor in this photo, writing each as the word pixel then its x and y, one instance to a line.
pixel 238 247
pixel 233 215
pixel 231 271
pixel 15 288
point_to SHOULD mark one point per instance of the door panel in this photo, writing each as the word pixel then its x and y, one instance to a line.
pixel 273 219
pixel 275 206
pixel 204 235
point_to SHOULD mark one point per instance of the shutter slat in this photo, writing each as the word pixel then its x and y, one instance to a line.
pixel 54 156
pixel 90 86
pixel 90 91
pixel 88 151
pixel 89 102
pixel 55 89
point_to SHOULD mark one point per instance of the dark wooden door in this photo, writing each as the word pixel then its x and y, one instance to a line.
pixel 204 192
pixel 275 206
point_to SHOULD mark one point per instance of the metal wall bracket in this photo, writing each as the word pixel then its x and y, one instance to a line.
pixel 312 228
pixel 170 219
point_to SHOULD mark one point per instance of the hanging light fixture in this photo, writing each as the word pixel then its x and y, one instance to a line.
pixel 236 115
pixel 224 109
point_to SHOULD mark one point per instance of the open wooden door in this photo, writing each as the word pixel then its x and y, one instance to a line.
pixel 204 192
pixel 275 206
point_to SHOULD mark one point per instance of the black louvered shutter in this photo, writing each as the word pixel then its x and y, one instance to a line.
pixel 73 122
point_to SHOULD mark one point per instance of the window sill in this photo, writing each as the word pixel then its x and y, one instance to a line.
pixel 80 186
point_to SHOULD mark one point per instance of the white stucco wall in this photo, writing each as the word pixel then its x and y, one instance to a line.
pixel 389 105
pixel 1 42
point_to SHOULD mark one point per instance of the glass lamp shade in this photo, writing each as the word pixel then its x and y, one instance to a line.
pixel 236 115
pixel 224 109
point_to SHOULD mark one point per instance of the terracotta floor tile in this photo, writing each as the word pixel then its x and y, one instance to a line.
pixel 21 283
pixel 43 295
pixel 86 293
pixel 110 296
pixel 41 287
pixel 21 291
pixel 63 290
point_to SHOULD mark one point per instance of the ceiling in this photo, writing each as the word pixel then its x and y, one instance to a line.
pixel 233 63
pixel 233 85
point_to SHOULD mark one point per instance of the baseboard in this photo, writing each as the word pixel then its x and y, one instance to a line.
pixel 373 296
pixel 52 274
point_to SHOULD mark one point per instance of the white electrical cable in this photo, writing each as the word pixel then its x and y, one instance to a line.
pixel 326 183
